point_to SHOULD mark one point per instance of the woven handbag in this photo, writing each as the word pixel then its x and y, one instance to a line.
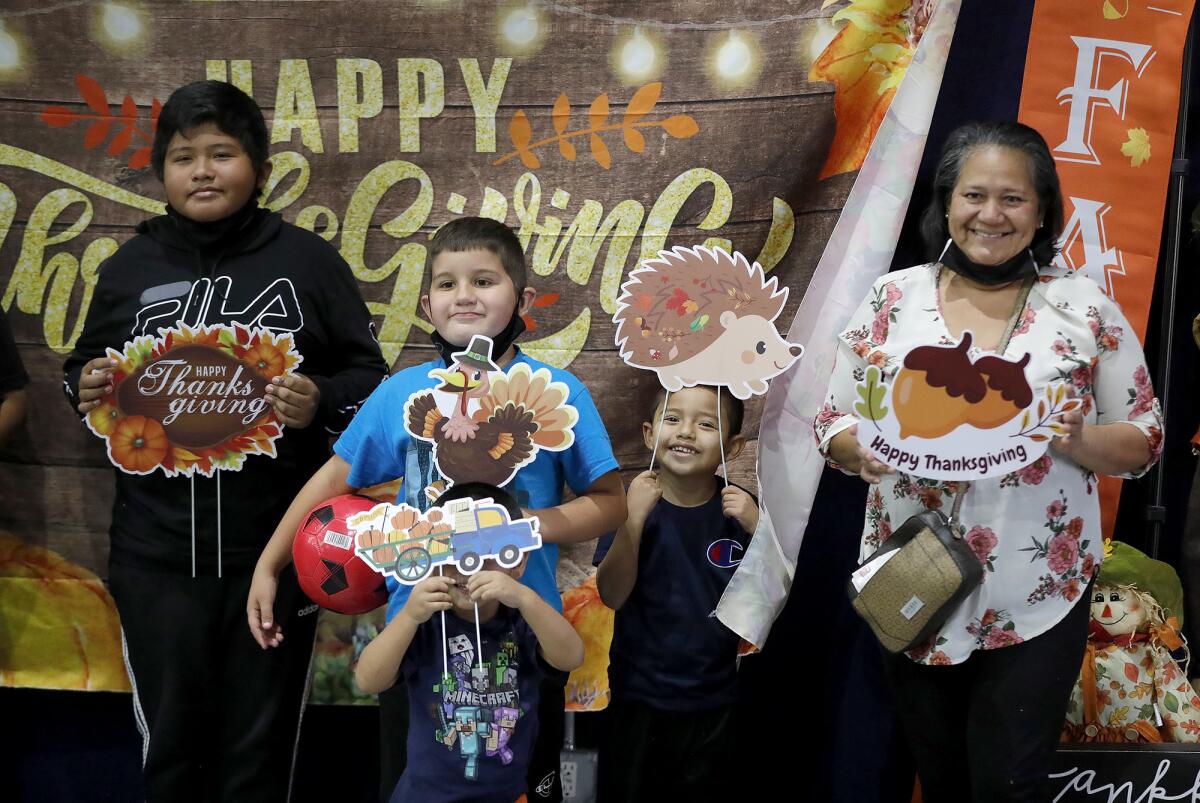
pixel 927 570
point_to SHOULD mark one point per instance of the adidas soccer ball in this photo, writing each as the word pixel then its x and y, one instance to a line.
pixel 328 570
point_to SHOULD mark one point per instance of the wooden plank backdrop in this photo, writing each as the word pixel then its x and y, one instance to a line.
pixel 747 177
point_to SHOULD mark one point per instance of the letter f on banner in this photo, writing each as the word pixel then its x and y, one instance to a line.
pixel 1085 96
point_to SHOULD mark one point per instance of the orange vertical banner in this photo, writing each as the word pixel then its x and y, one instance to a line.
pixel 1102 86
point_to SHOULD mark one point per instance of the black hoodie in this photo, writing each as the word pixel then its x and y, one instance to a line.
pixel 260 272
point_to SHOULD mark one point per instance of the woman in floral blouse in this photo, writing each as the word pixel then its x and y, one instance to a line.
pixel 982 702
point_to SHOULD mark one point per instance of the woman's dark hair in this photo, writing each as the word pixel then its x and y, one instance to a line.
pixel 233 112
pixel 963 142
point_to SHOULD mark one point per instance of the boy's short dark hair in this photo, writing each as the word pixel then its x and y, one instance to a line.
pixel 470 233
pixel 733 410
pixel 233 111
pixel 482 490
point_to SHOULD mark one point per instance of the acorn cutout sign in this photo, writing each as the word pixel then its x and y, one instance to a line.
pixel 193 400
pixel 485 423
pixel 703 316
pixel 399 541
pixel 943 416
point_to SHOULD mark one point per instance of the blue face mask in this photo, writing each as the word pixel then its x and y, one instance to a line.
pixel 1011 270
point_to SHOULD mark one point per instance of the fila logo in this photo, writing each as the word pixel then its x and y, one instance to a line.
pixel 276 308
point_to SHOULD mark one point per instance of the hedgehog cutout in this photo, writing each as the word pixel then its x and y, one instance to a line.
pixel 703 316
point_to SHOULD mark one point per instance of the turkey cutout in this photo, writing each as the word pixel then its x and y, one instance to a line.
pixel 485 424
pixel 942 416
pixel 401 542
pixel 703 316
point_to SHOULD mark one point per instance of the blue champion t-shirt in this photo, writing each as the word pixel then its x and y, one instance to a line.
pixel 379 449
pixel 470 739
pixel 667 651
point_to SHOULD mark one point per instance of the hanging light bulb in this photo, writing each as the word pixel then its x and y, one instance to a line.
pixel 735 61
pixel 521 30
pixel 119 27
pixel 637 58
pixel 824 33
pixel 10 51
pixel 120 22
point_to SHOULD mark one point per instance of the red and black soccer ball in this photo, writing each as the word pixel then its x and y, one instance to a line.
pixel 328 570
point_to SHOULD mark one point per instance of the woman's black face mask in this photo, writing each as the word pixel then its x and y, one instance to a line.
pixel 1011 270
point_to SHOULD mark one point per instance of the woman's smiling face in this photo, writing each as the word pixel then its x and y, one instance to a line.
pixel 993 211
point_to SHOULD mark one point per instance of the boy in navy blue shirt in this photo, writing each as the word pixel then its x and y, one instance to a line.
pixel 476 287
pixel 472 717
pixel 672 666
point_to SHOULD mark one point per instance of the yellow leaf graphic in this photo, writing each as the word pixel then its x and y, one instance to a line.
pixel 1111 13
pixel 1137 147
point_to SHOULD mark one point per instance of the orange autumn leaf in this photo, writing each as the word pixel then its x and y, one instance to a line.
pixel 642 102
pixel 600 152
pixel 561 115
pixel 598 112
pixel 634 140
pixel 139 444
pixel 520 131
pixel 865 62
pixel 681 126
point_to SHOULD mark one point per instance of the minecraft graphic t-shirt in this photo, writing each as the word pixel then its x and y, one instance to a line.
pixel 471 732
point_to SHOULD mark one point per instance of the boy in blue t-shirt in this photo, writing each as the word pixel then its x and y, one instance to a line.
pixel 672 665
pixel 472 724
pixel 476 287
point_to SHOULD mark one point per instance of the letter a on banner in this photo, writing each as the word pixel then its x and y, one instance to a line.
pixel 1102 86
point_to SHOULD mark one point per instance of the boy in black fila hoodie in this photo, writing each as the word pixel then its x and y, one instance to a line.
pixel 218 715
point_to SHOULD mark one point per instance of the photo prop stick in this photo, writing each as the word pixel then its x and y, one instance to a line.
pixel 484 423
pixel 944 417
pixel 703 316
pixel 401 542
pixel 193 401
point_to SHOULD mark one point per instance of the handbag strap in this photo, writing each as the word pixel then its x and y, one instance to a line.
pixel 1018 308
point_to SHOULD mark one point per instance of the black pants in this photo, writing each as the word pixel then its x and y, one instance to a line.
pixel 218 715
pixel 990 724
pixel 542 779
pixel 648 754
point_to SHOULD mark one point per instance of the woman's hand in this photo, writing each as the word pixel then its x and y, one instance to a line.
pixel 1071 439
pixel 849 453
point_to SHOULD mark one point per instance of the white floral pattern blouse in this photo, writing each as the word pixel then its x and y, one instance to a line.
pixel 1036 531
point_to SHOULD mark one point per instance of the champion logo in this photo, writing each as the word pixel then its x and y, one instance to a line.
pixel 307 610
pixel 725 553
pixel 546 786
